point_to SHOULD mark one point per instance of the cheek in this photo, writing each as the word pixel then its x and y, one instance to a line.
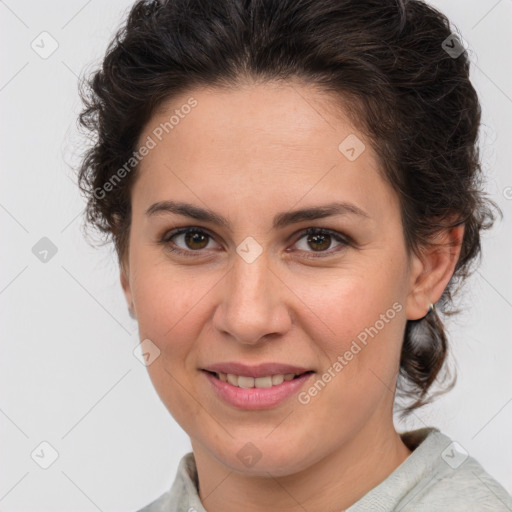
pixel 358 322
pixel 168 308
pixel 172 308
pixel 345 307
pixel 362 348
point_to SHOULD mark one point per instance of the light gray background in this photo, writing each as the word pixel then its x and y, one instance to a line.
pixel 68 374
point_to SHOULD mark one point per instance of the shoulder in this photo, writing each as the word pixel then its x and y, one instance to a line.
pixel 183 496
pixel 454 479
pixel 161 504
pixel 439 475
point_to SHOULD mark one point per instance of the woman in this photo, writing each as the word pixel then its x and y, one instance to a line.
pixel 292 190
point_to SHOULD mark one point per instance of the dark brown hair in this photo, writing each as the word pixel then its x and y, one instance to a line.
pixel 385 60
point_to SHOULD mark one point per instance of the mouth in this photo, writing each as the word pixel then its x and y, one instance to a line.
pixel 256 393
pixel 247 382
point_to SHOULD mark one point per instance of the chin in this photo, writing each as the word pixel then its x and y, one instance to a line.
pixel 262 457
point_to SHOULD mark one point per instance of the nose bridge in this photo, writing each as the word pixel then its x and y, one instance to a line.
pixel 250 274
pixel 251 307
pixel 249 283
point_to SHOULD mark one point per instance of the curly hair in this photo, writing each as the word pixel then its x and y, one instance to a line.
pixel 387 63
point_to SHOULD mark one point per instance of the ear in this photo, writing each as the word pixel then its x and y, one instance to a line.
pixel 431 272
pixel 125 284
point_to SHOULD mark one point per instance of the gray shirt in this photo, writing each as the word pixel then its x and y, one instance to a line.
pixel 438 476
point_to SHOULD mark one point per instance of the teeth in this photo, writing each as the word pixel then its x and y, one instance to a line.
pixel 277 379
pixel 232 379
pixel 242 381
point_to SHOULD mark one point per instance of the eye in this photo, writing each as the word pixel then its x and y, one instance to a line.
pixel 196 239
pixel 320 239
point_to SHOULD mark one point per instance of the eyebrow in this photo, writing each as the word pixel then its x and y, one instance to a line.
pixel 281 220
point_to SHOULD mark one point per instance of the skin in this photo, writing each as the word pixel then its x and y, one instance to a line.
pixel 248 154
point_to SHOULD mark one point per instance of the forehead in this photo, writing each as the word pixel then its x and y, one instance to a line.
pixel 283 142
pixel 274 114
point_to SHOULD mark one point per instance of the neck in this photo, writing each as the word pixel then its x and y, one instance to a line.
pixel 335 482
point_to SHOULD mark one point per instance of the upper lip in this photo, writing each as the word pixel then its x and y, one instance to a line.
pixel 260 370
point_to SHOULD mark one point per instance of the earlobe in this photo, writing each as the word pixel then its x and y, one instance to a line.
pixel 431 272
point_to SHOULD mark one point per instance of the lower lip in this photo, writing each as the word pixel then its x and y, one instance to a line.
pixel 256 398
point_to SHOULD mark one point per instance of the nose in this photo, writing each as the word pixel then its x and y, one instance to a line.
pixel 254 308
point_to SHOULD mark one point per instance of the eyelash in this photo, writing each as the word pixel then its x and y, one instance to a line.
pixel 344 240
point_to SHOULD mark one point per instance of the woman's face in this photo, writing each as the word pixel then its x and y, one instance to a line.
pixel 257 289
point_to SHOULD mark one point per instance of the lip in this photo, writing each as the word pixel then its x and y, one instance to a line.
pixel 260 370
pixel 256 398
